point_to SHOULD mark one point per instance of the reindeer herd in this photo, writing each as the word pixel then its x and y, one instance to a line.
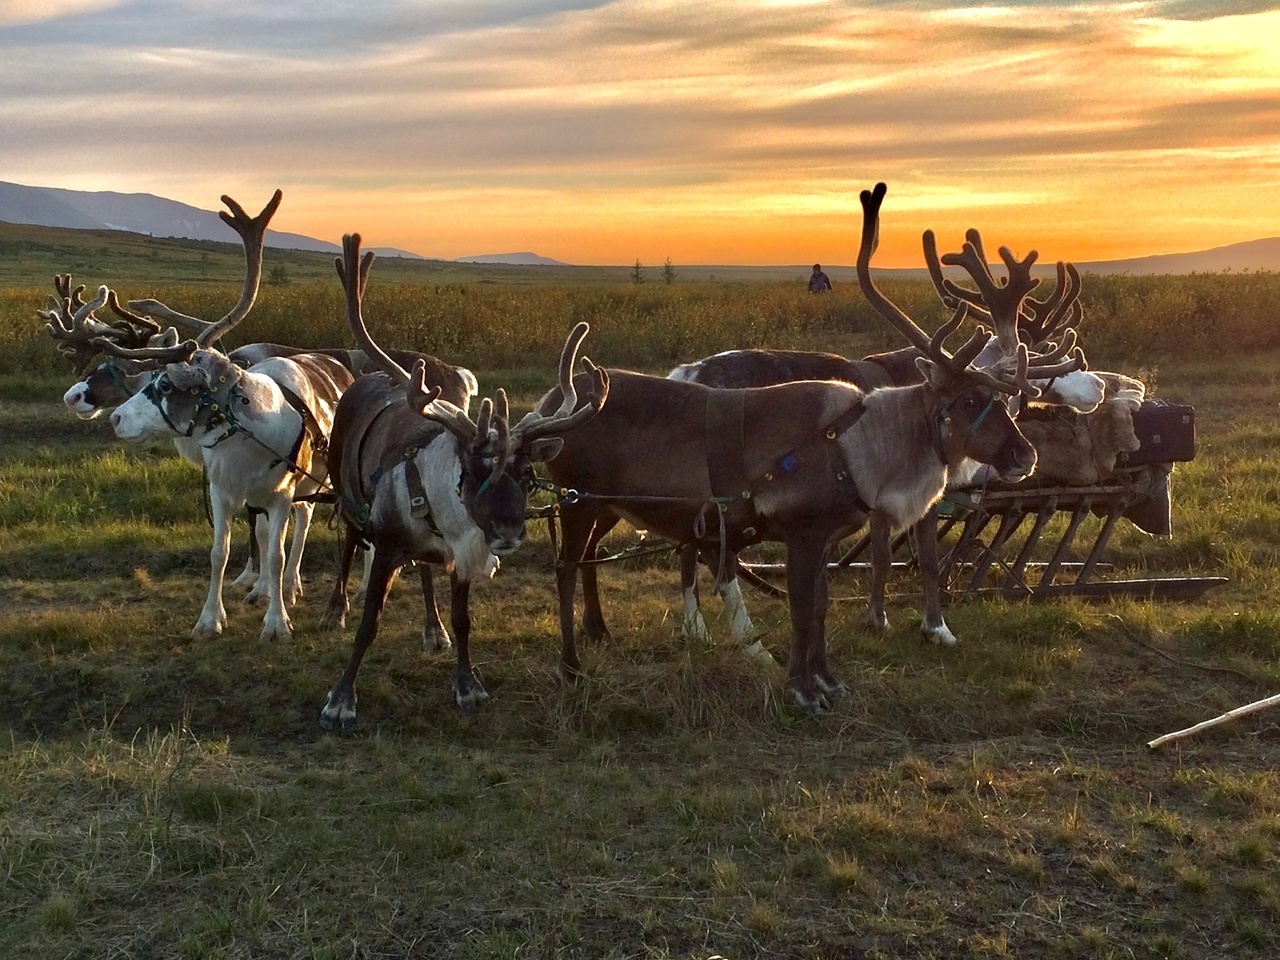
pixel 726 452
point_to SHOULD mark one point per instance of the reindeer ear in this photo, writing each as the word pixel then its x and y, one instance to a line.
pixel 167 339
pixel 936 376
pixel 547 448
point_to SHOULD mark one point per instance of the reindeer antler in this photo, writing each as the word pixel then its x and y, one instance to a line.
pixel 932 347
pixel 534 425
pixel 252 232
pixel 1009 308
pixel 70 321
pixel 1043 319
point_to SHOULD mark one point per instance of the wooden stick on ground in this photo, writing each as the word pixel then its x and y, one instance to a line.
pixel 1206 724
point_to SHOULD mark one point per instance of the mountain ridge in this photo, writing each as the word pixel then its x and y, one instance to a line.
pixel 155 216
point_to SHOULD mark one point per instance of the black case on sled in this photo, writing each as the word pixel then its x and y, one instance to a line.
pixel 1167 432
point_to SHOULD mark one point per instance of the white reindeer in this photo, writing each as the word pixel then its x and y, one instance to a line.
pixel 262 433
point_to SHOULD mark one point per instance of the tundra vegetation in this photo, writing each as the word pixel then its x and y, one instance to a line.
pixel 167 797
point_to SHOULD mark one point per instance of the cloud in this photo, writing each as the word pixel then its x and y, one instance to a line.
pixel 16 12
pixel 646 108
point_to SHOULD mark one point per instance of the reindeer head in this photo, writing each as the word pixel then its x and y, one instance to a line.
pixel 496 458
pixel 181 400
pixel 967 406
pixel 190 392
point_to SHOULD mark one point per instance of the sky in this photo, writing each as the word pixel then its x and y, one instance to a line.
pixel 711 131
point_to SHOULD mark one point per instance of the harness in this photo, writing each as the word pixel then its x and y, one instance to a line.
pixel 732 486
pixel 216 413
pixel 942 420
pixel 733 491
pixel 353 502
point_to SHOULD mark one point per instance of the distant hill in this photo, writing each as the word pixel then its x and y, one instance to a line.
pixel 139 213
pixel 154 216
pixel 1261 254
pixel 523 259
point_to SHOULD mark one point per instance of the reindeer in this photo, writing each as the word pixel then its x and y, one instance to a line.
pixel 71 322
pixel 1056 366
pixel 418 479
pixel 262 433
pixel 802 463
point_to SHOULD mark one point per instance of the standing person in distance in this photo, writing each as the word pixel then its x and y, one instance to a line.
pixel 819 282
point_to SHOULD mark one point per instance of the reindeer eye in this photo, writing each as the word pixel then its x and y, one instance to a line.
pixel 165 386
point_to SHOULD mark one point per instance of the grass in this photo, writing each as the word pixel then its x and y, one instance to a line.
pixel 162 797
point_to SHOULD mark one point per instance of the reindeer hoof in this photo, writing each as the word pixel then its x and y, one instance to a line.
pixel 474 696
pixel 940 635
pixel 756 652
pixel 435 641
pixel 276 631
pixel 570 673
pixel 207 630
pixel 342 715
pixel 832 688
pixel 813 705
pixel 876 624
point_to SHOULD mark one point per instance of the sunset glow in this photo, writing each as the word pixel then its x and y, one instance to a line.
pixel 727 131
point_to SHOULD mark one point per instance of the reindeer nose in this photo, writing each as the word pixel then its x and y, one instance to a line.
pixel 115 419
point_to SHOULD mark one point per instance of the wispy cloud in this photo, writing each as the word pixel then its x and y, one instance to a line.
pixel 723 130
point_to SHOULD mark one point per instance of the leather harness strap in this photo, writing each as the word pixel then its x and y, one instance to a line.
pixel 736 492
pixel 726 454
pixel 310 427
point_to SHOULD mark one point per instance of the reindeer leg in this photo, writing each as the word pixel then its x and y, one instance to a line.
pixel 340 706
pixel 468 692
pixel 881 560
pixel 576 529
pixel 735 611
pixel 275 624
pixel 593 626
pixel 335 617
pixel 693 627
pixel 819 668
pixel 434 635
pixel 249 575
pixel 213 618
pixel 302 514
pixel 926 534
pixel 806 553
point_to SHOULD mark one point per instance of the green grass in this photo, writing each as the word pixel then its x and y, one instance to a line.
pixel 162 797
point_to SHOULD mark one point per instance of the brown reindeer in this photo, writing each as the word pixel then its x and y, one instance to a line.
pixel 801 463
pixel 418 479
pixel 1059 365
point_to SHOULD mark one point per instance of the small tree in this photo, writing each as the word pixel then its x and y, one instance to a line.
pixel 637 272
pixel 279 275
pixel 668 272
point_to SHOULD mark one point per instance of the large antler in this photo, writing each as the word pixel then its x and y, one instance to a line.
pixel 956 363
pixel 353 271
pixel 82 335
pixel 1042 320
pixel 1017 318
pixel 252 232
pixel 70 321
pixel 535 425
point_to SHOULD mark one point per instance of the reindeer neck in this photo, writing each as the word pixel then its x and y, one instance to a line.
pixel 893 453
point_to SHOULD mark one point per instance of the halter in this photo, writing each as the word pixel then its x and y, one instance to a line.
pixel 206 402
pixel 502 475
pixel 117 377
pixel 943 420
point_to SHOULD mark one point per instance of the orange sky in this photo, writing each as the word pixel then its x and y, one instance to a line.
pixel 716 132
